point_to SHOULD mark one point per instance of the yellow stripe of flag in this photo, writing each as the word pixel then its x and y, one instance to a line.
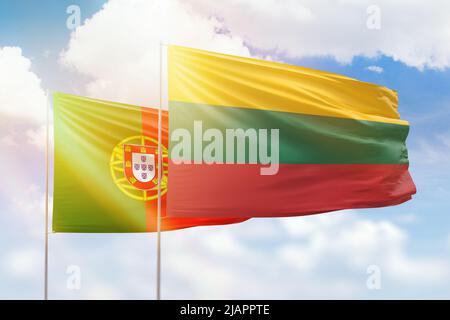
pixel 198 76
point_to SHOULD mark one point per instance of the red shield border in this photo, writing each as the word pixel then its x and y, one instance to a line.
pixel 128 150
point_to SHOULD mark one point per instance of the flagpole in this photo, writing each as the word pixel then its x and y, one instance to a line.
pixel 47 135
pixel 160 164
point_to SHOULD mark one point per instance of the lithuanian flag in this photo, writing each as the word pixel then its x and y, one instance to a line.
pixel 252 138
pixel 104 168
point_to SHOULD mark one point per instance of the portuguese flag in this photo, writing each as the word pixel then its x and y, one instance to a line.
pixel 252 138
pixel 99 183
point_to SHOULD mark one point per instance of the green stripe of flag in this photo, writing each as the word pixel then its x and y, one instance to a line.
pixel 303 139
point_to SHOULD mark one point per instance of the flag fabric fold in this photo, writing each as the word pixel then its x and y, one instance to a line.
pixel 333 142
pixel 92 192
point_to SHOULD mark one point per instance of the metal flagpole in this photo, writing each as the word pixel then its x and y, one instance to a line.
pixel 160 164
pixel 46 198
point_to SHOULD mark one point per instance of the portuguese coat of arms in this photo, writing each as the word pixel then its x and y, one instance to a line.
pixel 140 165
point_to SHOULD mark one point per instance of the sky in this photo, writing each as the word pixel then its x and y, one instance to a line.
pixel 112 54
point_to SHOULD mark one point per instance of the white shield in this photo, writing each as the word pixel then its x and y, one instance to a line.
pixel 143 166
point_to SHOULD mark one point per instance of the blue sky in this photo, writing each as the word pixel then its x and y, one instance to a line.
pixel 94 63
pixel 37 27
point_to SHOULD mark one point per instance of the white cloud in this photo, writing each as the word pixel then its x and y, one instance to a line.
pixel 434 150
pixel 30 201
pixel 103 292
pixel 407 218
pixel 22 263
pixel 327 254
pixel 339 29
pixel 37 137
pixel 21 94
pixel 307 257
pixel 23 105
pixel 376 69
pixel 47 53
pixel 27 208
pixel 359 242
pixel 431 271
pixel 8 140
pixel 327 259
pixel 119 47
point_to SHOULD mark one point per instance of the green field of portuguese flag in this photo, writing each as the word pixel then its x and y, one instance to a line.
pixel 91 192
